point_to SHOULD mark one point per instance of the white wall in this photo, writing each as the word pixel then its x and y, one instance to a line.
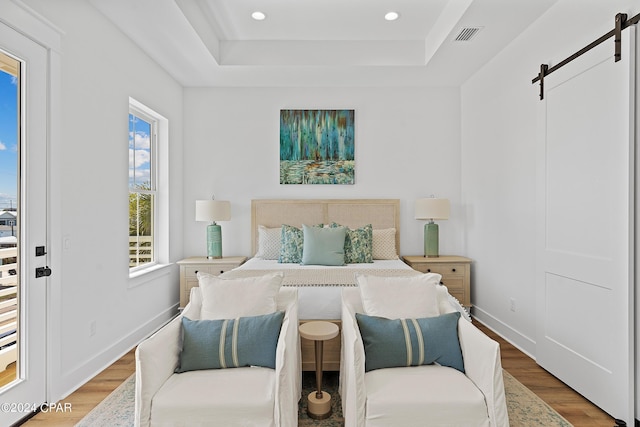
pixel 100 70
pixel 498 161
pixel 407 147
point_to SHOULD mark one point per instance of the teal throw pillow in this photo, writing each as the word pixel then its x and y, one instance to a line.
pixel 230 343
pixel 358 244
pixel 323 246
pixel 392 343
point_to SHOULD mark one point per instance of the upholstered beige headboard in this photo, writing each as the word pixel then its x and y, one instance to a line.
pixel 353 213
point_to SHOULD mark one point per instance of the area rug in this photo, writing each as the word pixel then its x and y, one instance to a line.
pixel 524 407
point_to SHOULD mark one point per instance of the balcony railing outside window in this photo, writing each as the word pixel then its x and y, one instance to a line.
pixel 140 250
pixel 8 306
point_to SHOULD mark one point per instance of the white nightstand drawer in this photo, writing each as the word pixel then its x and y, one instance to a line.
pixel 191 270
pixel 453 283
pixel 444 269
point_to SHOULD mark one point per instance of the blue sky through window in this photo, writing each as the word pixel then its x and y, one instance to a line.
pixel 139 152
pixel 8 141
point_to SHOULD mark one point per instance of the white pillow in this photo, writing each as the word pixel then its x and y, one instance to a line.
pixel 448 303
pixel 242 297
pixel 400 297
pixel 384 244
pixel 443 300
pixel 268 242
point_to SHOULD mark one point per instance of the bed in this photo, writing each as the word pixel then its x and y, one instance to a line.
pixel 319 287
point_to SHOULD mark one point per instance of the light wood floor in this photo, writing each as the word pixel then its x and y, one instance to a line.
pixel 576 409
pixel 89 395
pixel 568 403
pixel 8 375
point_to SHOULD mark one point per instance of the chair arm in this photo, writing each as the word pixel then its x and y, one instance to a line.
pixel 288 362
pixel 156 359
pixel 482 365
pixel 352 385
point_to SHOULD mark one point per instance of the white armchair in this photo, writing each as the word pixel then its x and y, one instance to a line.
pixel 242 396
pixel 428 395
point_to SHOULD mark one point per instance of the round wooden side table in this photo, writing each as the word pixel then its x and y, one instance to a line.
pixel 319 402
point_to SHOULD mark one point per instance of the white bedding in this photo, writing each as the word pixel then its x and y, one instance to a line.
pixel 320 275
pixel 319 287
pixel 272 264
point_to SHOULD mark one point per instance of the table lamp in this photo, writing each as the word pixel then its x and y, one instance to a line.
pixel 212 211
pixel 431 209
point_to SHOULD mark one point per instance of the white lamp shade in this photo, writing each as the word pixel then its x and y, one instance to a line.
pixel 213 210
pixel 432 208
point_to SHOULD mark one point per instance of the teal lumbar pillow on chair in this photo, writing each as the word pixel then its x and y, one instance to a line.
pixel 392 343
pixel 230 343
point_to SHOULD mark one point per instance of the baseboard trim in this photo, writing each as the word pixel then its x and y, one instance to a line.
pixel 511 335
pixel 79 376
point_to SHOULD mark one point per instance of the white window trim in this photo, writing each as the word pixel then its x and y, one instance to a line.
pixel 152 120
pixel 138 275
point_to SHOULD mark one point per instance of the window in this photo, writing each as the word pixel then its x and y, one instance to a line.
pixel 143 129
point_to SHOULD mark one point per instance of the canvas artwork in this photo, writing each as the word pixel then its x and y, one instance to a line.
pixel 317 147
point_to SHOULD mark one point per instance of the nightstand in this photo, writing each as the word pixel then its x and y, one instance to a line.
pixel 189 267
pixel 455 271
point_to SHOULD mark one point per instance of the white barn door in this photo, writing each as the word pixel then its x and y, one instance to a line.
pixel 585 227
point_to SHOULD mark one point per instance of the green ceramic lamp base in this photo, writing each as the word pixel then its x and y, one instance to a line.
pixel 431 239
pixel 214 241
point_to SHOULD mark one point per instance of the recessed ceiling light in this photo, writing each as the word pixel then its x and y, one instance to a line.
pixel 258 16
pixel 391 16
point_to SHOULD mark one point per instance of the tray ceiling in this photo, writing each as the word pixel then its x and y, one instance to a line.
pixel 321 43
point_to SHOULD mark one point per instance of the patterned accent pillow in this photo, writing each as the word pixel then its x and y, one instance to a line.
pixel 384 244
pixel 358 245
pixel 268 242
pixel 392 343
pixel 291 244
pixel 230 343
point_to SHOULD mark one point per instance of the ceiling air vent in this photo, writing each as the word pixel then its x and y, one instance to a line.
pixel 467 33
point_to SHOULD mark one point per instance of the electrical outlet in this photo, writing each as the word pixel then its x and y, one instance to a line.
pixel 92 328
pixel 512 304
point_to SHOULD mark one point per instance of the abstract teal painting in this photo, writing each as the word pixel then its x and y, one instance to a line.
pixel 317 147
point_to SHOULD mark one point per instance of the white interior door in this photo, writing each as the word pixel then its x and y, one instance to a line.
pixel 584 270
pixel 27 392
